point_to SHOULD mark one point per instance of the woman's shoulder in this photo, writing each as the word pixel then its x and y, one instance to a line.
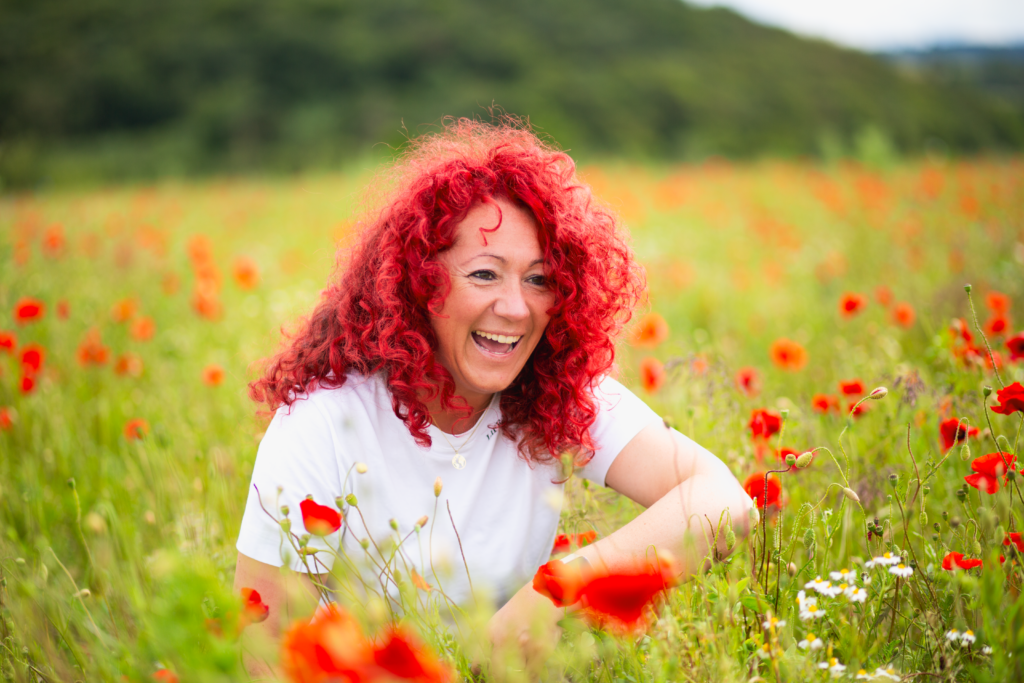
pixel 357 391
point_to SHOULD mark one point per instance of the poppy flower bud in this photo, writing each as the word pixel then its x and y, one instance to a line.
pixel 961 495
pixel 851 494
pixel 306 550
pixel 755 516
pixel 421 522
pixel 924 518
pixel 1003 443
pixel 364 543
pixel 286 524
pixel 893 480
pixel 791 569
pixel 71 483
pixel 285 510
pixel 986 391
pixel 804 460
pixel 967 288
pixel 878 394
pixel 730 537
pixel 791 459
pixel 352 500
pixel 977 547
pixel 361 468
pixel 393 523
pixel 438 484
pixel 809 537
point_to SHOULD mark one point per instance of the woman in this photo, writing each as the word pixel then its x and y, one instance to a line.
pixel 469 338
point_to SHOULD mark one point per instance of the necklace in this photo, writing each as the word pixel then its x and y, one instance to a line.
pixel 459 460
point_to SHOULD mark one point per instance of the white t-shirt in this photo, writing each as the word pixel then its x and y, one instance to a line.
pixel 505 510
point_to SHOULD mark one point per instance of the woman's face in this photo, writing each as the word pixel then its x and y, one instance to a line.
pixel 497 309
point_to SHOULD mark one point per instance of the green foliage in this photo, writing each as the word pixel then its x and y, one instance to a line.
pixel 108 89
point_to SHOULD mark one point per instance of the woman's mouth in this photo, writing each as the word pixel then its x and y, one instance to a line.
pixel 497 344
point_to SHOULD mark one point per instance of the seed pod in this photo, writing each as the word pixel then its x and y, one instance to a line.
pixel 935 538
pixel 936 527
pixel 967 288
pixel 945 515
pixel 954 522
pixel 339 502
pixel 986 391
pixel 790 459
pixel 306 550
pixel 285 510
pixel 361 468
pixel 961 495
pixel 1011 475
pixel 804 460
pixel 784 413
pixel 893 480
pixel 851 494
pixel 286 524
pixel 364 543
pixel 352 500
pixel 926 489
pixel 878 394
pixel 393 523
pixel 438 485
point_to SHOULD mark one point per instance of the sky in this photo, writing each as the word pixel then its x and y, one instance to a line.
pixel 888 24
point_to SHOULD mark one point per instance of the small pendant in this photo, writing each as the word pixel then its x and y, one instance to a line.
pixel 458 462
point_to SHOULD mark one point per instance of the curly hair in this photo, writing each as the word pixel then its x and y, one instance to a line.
pixel 374 315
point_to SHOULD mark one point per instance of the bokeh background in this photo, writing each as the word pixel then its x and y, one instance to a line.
pixel 105 90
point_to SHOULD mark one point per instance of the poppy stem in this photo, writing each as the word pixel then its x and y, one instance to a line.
pixel 984 339
pixel 895 602
pixel 465 564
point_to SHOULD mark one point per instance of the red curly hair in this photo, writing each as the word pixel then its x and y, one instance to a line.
pixel 374 316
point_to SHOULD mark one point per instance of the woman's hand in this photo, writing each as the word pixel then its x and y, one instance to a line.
pixel 524 632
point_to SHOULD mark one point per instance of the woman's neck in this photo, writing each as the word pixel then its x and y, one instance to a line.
pixel 454 421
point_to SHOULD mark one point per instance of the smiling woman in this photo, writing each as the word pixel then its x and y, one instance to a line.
pixel 468 339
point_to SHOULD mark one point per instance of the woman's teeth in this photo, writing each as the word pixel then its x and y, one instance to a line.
pixel 500 338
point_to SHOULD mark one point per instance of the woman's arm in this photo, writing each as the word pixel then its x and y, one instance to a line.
pixel 288 594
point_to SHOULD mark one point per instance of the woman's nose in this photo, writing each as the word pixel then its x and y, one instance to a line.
pixel 511 303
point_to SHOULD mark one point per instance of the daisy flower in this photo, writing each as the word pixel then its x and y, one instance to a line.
pixel 986 650
pixel 833 666
pixel 816 584
pixel 856 594
pixel 811 642
pixel 844 575
pixel 901 570
pixel 887 672
pixel 885 560
pixel 967 637
pixel 809 610
pixel 863 675
pixel 832 590
pixel 952 635
pixel 773 622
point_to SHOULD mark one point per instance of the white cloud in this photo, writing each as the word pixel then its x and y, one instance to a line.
pixel 879 24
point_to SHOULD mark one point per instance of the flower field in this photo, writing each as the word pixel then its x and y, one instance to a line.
pixel 807 324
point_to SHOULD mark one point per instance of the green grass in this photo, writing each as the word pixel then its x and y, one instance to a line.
pixel 737 256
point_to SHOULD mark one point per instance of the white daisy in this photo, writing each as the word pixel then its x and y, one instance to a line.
pixel 952 635
pixel 775 622
pixel 887 672
pixel 967 637
pixel 844 575
pixel 816 584
pixel 811 642
pixel 832 590
pixel 856 594
pixel 809 610
pixel 833 666
pixel 901 570
pixel 885 560
pixel 863 675
pixel 986 650
pixel 801 597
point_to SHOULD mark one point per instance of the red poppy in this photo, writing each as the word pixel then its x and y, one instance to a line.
pixel 997 325
pixel 53 240
pixel 781 456
pixel 32 357
pixel 559 582
pixel 254 610
pixel 135 429
pixel 990 469
pixel 213 375
pixel 852 387
pixel 566 542
pixel 128 364
pixel 858 410
pixel 6 420
pixel 755 488
pixel 206 303
pixel 1015 344
pixel 1015 538
pixel 748 380
pixel 402 656
pixel 165 676
pixel 883 295
pixel 953 432
pixel 246 273
pixel 8 342
pixel 28 310
pixel 997 302
pixel 143 328
pixel 903 314
pixel 851 303
pixel 620 601
pixel 824 403
pixel 1011 399
pixel 28 383
pixel 92 351
pixel 764 423
pixel 959 329
pixel 319 520
pixel 650 332
pixel 788 354
pixel 954 559
pixel 63 309
pixel 170 283
pixel 124 310
pixel 652 374
pixel 330 647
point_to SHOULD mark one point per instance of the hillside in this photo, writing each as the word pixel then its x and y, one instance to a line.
pixel 132 88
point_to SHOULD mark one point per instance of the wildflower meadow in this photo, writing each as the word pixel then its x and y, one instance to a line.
pixel 847 339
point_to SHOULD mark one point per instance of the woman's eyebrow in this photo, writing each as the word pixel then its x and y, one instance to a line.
pixel 501 258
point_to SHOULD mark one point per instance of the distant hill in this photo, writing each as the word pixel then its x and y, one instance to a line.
pixel 998 71
pixel 132 88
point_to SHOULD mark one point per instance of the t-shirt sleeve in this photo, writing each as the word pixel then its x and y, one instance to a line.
pixel 296 458
pixel 621 417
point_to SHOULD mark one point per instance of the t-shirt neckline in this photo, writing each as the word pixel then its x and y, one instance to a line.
pixel 438 437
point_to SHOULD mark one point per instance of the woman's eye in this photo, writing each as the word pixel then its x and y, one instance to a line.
pixel 483 275
pixel 538 280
